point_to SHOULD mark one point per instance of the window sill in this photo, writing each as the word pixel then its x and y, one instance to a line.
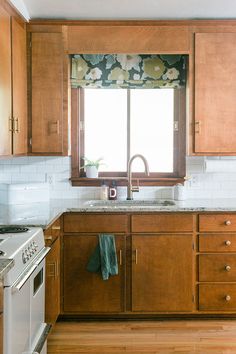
pixel 122 181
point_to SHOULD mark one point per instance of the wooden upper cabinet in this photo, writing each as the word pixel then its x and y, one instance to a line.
pixel 19 88
pixel 215 93
pixel 5 83
pixel 47 93
pixel 128 39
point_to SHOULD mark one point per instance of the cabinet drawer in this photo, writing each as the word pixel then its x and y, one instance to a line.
pixel 52 233
pixel 162 223
pixel 95 223
pixel 217 243
pixel 219 222
pixel 217 267
pixel 217 297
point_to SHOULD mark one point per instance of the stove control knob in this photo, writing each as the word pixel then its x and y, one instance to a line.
pixel 23 258
pixel 2 253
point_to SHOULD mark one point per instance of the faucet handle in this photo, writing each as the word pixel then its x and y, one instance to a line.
pixel 135 188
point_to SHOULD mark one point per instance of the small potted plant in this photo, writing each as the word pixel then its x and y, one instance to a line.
pixel 91 167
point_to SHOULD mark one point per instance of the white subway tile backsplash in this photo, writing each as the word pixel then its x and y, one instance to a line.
pixel 37 168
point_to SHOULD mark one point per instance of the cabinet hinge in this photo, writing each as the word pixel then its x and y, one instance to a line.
pixel 30 141
pixel 176 126
pixel 193 298
pixel 193 246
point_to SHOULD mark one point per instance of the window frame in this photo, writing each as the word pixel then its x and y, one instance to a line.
pixel 78 177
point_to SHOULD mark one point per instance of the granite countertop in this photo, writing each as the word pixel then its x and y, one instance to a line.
pixel 5 266
pixel 43 214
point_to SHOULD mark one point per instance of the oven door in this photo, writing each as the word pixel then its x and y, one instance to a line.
pixel 37 296
pixel 16 315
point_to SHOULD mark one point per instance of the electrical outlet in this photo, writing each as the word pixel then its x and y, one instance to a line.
pixel 49 178
pixel 194 181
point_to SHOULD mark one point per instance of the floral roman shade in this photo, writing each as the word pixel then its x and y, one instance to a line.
pixel 128 71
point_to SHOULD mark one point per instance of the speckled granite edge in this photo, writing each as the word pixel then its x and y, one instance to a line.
pixel 44 214
pixel 5 266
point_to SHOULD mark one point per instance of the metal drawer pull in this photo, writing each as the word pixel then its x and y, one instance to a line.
pixel 227 268
pixel 227 222
pixel 228 243
pixel 56 228
pixel 120 257
pixel 136 256
pixel 228 298
pixel 48 238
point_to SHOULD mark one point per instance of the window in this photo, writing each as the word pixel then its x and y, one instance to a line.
pixel 115 124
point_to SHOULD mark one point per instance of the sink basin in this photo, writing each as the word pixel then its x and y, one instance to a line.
pixel 129 203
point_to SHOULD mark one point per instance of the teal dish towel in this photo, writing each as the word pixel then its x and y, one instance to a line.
pixel 104 258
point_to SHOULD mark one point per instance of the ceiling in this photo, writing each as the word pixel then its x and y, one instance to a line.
pixel 126 9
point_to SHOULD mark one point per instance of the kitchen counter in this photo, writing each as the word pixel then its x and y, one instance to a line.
pixel 44 214
pixel 5 266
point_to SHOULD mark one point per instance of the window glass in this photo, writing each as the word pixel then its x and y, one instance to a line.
pixel 105 127
pixel 152 133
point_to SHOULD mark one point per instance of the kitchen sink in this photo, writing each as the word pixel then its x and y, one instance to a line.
pixel 129 203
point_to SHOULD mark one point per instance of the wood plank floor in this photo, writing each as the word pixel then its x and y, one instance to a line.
pixel 144 337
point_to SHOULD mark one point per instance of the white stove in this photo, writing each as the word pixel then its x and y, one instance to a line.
pixel 24 290
pixel 23 247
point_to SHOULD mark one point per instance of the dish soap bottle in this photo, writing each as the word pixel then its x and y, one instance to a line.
pixel 104 191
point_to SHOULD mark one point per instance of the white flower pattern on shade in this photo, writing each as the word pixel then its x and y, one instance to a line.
pixel 94 74
pixel 171 74
pixel 129 62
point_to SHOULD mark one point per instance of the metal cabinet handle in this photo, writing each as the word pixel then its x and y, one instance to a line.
pixel 11 127
pixel 228 243
pixel 16 125
pixel 227 297
pixel 48 238
pixel 56 228
pixel 136 256
pixel 120 257
pixel 227 222
pixel 227 268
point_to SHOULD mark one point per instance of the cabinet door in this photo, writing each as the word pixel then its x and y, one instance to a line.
pixel 52 294
pixel 19 88
pixel 87 292
pixel 5 84
pixel 162 273
pixel 215 87
pixel 47 93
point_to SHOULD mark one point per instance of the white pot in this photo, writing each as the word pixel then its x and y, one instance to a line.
pixel 91 172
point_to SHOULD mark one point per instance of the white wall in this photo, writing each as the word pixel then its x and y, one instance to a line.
pixel 57 169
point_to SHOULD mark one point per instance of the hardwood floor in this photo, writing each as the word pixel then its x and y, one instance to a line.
pixel 146 337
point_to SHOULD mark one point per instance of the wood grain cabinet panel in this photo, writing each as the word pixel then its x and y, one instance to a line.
pixel 128 39
pixel 162 273
pixel 215 108
pixel 217 222
pixel 19 89
pixel 86 292
pixel 162 223
pixel 76 222
pixel 217 297
pixel 217 267
pixel 52 289
pixel 217 243
pixel 47 93
pixel 5 84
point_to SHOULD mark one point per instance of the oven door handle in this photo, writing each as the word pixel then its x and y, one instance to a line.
pixel 23 279
pixel 42 255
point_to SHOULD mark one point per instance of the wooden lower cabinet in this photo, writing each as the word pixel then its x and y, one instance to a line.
pixel 86 292
pixel 53 274
pixel 162 270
